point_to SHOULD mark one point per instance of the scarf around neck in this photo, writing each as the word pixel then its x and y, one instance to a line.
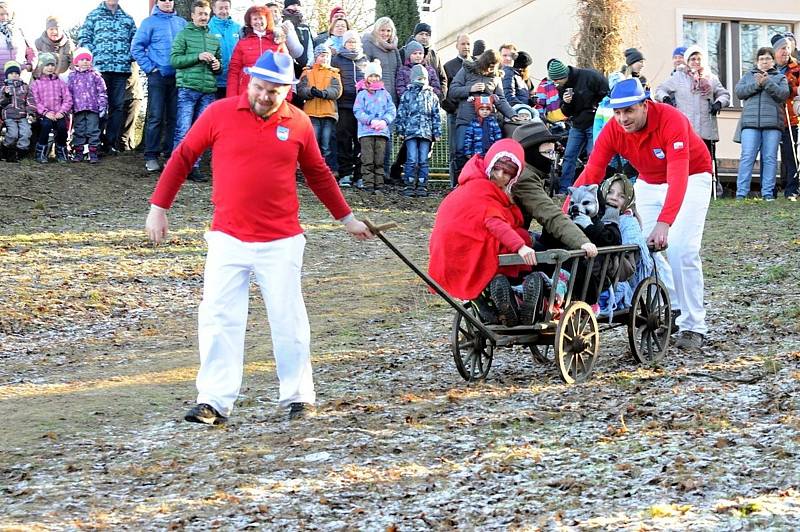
pixel 700 83
pixel 386 46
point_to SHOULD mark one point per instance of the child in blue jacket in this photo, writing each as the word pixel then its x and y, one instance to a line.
pixel 484 130
pixel 420 125
pixel 374 112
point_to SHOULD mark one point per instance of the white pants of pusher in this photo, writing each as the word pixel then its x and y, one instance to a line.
pixel 222 318
pixel 682 271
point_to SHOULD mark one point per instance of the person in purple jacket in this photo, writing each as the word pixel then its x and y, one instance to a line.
pixel 416 56
pixel 89 105
pixel 53 104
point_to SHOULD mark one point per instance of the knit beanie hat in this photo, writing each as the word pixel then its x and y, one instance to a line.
pixel 288 3
pixel 373 68
pixel 52 22
pixel 693 49
pixel 414 46
pixel 523 60
pixel 47 59
pixel 422 26
pixel 557 70
pixel 779 40
pixel 351 35
pixel 321 49
pixel 506 164
pixel 419 74
pixel 338 10
pixel 680 50
pixel 632 55
pixel 10 67
pixel 479 47
pixel 484 102
pixel 81 53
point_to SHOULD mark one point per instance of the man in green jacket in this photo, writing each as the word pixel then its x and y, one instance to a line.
pixel 196 57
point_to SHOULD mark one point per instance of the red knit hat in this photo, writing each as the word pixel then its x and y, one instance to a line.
pixel 507 165
pixel 484 101
pixel 338 10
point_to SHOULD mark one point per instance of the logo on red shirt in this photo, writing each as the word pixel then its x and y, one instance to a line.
pixel 658 152
pixel 283 133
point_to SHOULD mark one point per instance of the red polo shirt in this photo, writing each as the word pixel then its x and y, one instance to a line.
pixel 253 166
pixel 666 150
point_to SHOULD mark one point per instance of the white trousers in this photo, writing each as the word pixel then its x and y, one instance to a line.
pixel 222 318
pixel 682 271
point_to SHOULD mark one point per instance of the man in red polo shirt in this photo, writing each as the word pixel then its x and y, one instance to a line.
pixel 255 228
pixel 672 192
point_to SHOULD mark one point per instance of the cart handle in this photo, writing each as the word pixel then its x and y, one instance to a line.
pixel 377 229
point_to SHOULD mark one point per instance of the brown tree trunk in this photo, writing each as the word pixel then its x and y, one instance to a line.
pixel 604 30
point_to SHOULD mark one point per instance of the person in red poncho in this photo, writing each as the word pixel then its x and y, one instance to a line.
pixel 477 222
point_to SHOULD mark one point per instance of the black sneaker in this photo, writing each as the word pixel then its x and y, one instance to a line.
pixel 485 309
pixel 531 298
pixel 674 321
pixel 205 413
pixel 504 301
pixel 196 176
pixel 422 192
pixel 301 411
pixel 690 340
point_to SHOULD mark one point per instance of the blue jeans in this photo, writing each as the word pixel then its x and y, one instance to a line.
pixel 325 130
pixel 159 126
pixel 460 157
pixel 191 104
pixel 60 128
pixel 115 88
pixel 577 140
pixel 451 144
pixel 417 150
pixel 754 141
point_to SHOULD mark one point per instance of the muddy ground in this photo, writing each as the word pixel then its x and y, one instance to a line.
pixel 98 356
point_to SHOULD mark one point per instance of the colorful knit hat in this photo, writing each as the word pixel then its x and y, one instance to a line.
pixel 82 53
pixel 484 102
pixel 557 70
pixel 11 67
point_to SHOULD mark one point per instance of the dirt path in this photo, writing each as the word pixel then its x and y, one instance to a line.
pixel 98 357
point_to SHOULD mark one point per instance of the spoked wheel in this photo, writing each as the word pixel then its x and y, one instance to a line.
pixel 541 353
pixel 649 322
pixel 471 352
pixel 577 342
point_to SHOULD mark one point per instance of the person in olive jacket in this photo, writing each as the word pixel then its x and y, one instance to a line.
pixel 529 192
pixel 197 59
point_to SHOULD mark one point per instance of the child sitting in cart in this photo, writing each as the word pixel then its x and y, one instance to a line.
pixel 474 224
pixel 618 192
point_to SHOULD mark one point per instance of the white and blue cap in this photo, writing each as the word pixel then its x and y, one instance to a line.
pixel 274 67
pixel 626 93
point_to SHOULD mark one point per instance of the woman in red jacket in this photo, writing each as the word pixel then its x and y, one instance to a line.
pixel 257 38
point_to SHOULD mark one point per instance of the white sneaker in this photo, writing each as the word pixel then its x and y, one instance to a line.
pixel 151 165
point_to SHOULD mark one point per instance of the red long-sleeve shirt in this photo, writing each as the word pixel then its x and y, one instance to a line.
pixel 666 150
pixel 253 166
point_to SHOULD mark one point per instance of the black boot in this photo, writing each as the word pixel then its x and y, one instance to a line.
pixel 41 154
pixel 62 155
pixel 11 154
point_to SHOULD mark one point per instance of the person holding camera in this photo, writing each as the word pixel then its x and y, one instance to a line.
pixel 18 110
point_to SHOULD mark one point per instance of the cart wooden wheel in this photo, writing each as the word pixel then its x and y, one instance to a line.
pixel 541 353
pixel 471 352
pixel 649 322
pixel 577 342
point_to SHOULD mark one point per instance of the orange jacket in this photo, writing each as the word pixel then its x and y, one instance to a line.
pixel 327 80
pixel 793 77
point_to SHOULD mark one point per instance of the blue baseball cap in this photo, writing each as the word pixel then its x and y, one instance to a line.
pixel 273 67
pixel 626 93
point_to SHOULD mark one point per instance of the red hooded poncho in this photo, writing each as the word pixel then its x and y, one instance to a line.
pixel 463 251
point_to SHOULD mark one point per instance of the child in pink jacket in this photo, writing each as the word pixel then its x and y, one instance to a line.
pixel 53 104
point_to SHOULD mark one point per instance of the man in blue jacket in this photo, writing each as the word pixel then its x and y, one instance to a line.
pixel 226 30
pixel 151 47
pixel 107 32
